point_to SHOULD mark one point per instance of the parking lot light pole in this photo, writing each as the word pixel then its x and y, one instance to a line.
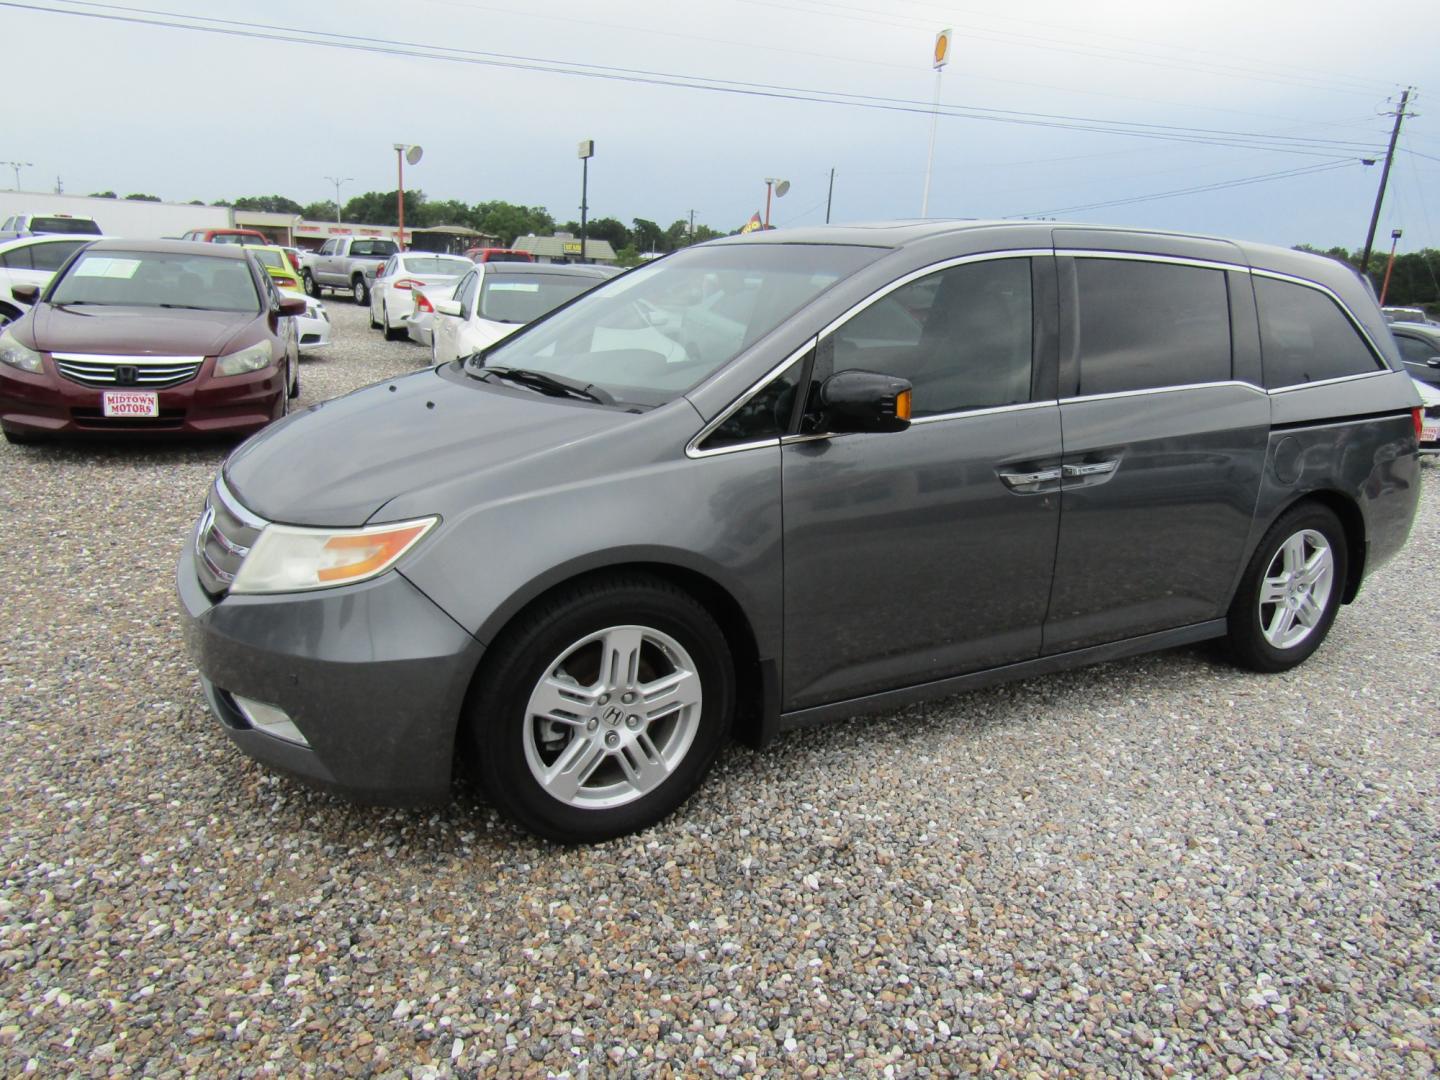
pixel 17 166
pixel 403 153
pixel 337 183
pixel 586 152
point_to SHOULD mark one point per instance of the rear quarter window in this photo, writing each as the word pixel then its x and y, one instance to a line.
pixel 1305 337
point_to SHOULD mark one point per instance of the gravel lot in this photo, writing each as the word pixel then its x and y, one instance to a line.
pixel 1155 867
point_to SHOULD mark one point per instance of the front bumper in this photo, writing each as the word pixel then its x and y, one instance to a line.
pixel 313 331
pixel 46 403
pixel 374 675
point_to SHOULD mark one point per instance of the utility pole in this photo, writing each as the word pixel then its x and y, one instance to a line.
pixel 692 226
pixel 17 166
pixel 59 186
pixel 1400 115
pixel 337 181
pixel 830 195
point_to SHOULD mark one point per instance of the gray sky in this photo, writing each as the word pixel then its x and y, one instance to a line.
pixel 185 115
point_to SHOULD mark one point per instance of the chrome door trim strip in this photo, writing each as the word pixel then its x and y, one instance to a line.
pixel 1138 256
pixel 692 448
pixel 991 410
pixel 1145 392
pixel 1331 382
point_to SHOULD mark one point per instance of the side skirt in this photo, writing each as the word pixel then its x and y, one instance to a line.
pixel 1095 654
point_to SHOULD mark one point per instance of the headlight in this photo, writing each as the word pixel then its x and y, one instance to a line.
pixel 17 355
pixel 238 363
pixel 287 558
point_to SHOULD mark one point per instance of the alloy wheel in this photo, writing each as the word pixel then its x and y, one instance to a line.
pixel 1296 589
pixel 612 717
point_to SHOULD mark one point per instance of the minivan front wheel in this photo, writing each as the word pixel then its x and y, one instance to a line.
pixel 602 710
pixel 1291 591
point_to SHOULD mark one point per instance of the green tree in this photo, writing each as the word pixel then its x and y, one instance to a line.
pixel 268 204
pixel 137 197
pixel 319 211
pixel 382 207
pixel 627 256
pixel 608 229
pixel 647 236
pixel 103 195
pixel 442 212
pixel 509 220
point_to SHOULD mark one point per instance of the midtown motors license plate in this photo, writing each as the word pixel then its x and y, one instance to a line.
pixel 130 403
pixel 1430 430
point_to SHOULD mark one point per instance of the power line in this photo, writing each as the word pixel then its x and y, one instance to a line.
pixel 1220 185
pixel 358 43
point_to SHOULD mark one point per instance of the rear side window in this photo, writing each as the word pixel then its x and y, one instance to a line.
pixel 1147 325
pixel 1305 337
pixel 53 256
pixel 961 336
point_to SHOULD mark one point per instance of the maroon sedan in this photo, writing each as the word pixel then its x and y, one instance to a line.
pixel 152 336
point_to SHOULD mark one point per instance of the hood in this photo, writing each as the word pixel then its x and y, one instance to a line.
pixel 337 463
pixel 137 331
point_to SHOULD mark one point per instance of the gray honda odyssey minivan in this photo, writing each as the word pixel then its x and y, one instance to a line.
pixel 775 479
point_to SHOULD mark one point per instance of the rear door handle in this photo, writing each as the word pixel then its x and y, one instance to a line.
pixel 1027 482
pixel 1093 468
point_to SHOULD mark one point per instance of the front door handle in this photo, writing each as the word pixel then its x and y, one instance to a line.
pixel 1092 468
pixel 1028 482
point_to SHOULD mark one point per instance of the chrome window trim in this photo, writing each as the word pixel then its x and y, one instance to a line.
pixel 692 448
pixel 987 410
pixel 1377 374
pixel 1137 256
pixel 1148 390
pixel 925 271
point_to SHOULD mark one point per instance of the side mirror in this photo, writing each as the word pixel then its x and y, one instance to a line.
pixel 448 307
pixel 26 294
pixel 864 401
pixel 291 305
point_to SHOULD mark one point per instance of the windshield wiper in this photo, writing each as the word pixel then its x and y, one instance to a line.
pixel 554 385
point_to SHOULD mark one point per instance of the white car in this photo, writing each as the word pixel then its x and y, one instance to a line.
pixel 313 328
pixel 31 260
pixel 497 298
pixel 392 294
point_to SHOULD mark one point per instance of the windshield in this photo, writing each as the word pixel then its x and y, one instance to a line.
pixel 654 333
pixel 516 298
pixel 157 279
pixel 435 264
pixel 64 225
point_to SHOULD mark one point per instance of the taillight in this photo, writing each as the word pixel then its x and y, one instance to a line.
pixel 287 282
pixel 406 283
pixel 294 260
pixel 1418 415
pixel 422 304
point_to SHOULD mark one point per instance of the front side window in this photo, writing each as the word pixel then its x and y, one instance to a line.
pixel 465 293
pixel 765 416
pixel 1146 325
pixel 1305 337
pixel 961 336
pixel 327 248
pixel 157 279
pixel 651 335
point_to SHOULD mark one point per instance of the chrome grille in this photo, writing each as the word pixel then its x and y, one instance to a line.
pixel 225 535
pixel 149 372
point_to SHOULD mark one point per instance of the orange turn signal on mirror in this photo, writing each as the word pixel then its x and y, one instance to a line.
pixel 345 557
pixel 902 405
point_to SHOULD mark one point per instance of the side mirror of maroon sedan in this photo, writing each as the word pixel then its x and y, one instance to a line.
pixel 289 305
pixel 26 294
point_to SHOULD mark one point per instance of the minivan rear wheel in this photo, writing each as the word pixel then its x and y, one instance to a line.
pixel 1291 590
pixel 602 709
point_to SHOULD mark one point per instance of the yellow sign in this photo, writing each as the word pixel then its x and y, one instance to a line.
pixel 572 247
pixel 942 49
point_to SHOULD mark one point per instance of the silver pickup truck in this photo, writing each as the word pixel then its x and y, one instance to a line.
pixel 346 262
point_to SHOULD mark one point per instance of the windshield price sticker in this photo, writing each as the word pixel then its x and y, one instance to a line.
pixel 129 403
pixel 97 266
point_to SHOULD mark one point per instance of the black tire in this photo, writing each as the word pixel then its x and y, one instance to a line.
pixel 391 333
pixel 21 438
pixel 8 315
pixel 1247 642
pixel 496 715
pixel 370 315
pixel 312 289
pixel 294 379
pixel 359 290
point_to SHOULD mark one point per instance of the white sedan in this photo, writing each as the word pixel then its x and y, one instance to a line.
pixel 313 328
pixel 392 294
pixel 497 298
pixel 32 260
